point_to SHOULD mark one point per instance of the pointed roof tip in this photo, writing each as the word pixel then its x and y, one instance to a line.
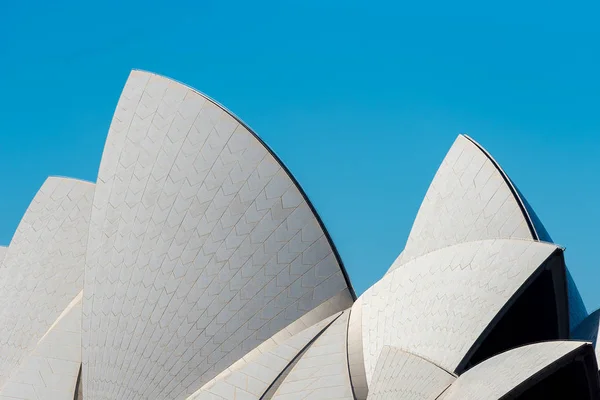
pixel 473 142
pixel 477 144
pixel 202 94
pixel 143 71
pixel 522 204
pixel 207 97
pixel 278 160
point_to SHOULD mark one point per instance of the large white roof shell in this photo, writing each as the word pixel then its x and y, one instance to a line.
pixel 202 246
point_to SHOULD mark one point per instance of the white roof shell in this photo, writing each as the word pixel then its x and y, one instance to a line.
pixel 498 375
pixel 51 370
pixel 436 306
pixel 201 246
pixel 469 199
pixel 43 268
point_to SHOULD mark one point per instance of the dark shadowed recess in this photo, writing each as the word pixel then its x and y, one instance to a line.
pixel 577 310
pixel 572 377
pixel 78 387
pixel 537 312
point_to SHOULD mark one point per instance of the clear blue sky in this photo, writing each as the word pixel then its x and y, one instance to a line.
pixel 361 100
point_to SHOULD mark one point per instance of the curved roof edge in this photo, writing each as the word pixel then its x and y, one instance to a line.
pixel 420 357
pixel 268 369
pixel 355 353
pixel 283 374
pixel 325 357
pixel 284 167
pixel 511 186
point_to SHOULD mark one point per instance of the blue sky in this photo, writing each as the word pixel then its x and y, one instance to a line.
pixel 361 100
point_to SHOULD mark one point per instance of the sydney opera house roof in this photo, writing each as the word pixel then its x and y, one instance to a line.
pixel 195 267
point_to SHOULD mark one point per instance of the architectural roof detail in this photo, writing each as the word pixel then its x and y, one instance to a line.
pixel 50 372
pixel 323 311
pixel 469 199
pixel 43 267
pixel 438 305
pixel 401 375
pixel 322 372
pixel 203 238
pixel 254 379
pixel 500 375
pixel 197 268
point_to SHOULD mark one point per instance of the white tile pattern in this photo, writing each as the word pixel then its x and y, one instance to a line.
pixel 498 375
pixel 401 375
pixel 201 247
pixel 197 269
pixel 252 380
pixel 43 267
pixel 337 303
pixel 322 372
pixel 50 372
pixel 467 200
pixel 437 305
